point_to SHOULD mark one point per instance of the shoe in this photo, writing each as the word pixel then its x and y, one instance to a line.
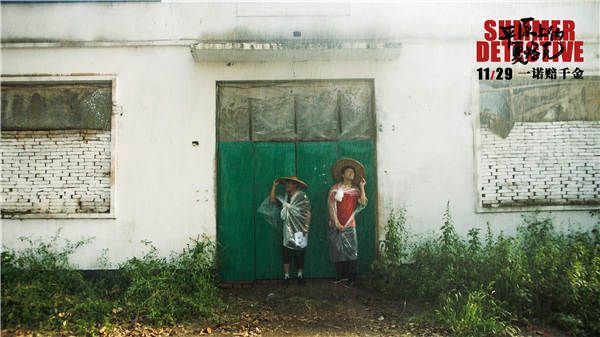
pixel 301 280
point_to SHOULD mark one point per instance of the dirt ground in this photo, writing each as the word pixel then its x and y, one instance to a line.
pixel 322 308
pixel 318 308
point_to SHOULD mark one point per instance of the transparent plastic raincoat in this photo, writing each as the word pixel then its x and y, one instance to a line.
pixel 343 203
pixel 293 214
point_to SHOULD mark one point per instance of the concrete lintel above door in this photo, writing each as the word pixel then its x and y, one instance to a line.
pixel 295 50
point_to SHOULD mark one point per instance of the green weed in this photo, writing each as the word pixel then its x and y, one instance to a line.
pixel 42 290
pixel 539 273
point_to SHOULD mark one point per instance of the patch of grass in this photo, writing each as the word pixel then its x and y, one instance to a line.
pixel 476 314
pixel 42 290
pixel 166 290
pixel 539 273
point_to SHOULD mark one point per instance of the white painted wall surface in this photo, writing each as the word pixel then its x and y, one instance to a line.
pixel 165 188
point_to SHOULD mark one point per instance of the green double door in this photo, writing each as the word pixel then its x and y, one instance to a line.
pixel 249 248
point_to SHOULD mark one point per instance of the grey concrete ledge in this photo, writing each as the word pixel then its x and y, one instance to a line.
pixel 38 44
pixel 295 50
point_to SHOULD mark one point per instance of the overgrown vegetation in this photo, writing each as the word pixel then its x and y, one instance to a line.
pixel 42 290
pixel 488 286
pixel 479 285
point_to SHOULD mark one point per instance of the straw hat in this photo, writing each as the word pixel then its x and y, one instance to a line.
pixel 359 169
pixel 294 179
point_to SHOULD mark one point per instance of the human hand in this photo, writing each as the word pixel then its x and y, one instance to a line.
pixel 276 182
pixel 363 182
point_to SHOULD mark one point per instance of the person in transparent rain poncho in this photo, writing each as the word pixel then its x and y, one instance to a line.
pixel 346 199
pixel 292 212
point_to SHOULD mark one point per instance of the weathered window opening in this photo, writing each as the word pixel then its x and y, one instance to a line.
pixel 538 144
pixel 57 143
pixel 304 111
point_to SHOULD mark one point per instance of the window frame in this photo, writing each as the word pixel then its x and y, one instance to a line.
pixel 475 114
pixel 224 84
pixel 61 79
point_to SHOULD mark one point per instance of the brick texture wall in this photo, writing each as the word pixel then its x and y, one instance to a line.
pixel 49 172
pixel 553 163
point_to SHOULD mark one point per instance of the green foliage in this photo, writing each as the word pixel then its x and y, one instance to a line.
pixel 538 273
pixel 165 290
pixel 41 289
pixel 476 314
pixel 389 267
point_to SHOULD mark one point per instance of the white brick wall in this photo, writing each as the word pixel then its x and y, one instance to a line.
pixel 553 163
pixel 52 172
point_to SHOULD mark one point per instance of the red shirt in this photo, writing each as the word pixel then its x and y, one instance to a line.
pixel 344 209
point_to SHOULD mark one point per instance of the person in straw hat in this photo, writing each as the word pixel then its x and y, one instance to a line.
pixel 294 210
pixel 346 198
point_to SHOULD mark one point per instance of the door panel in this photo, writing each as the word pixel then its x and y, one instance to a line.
pixel 314 167
pixel 268 129
pixel 249 247
pixel 364 151
pixel 235 223
pixel 271 160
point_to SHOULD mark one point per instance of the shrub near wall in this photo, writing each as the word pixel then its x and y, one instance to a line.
pixel 486 286
pixel 41 290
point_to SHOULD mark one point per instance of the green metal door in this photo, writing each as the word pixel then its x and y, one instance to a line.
pixel 271 160
pixel 314 167
pixel 235 214
pixel 251 154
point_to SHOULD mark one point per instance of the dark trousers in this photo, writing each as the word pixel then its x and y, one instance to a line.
pixel 297 255
pixel 346 270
